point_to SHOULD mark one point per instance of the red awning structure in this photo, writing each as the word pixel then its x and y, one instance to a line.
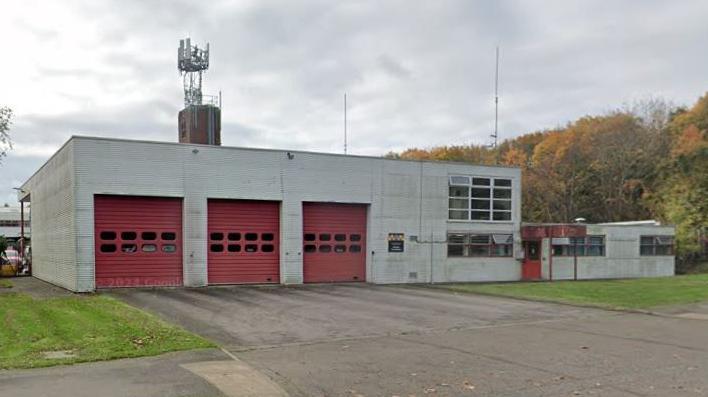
pixel 539 231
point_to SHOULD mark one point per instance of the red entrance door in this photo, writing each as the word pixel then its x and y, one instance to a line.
pixel 334 242
pixel 531 268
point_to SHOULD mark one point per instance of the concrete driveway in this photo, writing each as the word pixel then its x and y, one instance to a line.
pixel 363 340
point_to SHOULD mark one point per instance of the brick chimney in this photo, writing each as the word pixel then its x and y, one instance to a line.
pixel 200 124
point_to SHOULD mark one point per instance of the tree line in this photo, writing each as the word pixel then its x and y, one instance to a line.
pixel 648 160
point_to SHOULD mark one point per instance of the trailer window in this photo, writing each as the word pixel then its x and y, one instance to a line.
pixel 656 245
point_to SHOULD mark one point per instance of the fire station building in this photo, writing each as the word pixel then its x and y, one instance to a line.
pixel 122 213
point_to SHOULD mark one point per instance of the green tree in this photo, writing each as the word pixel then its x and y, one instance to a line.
pixel 5 121
pixel 682 198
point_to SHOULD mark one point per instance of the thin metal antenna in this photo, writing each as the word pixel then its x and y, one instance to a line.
pixel 496 101
pixel 345 123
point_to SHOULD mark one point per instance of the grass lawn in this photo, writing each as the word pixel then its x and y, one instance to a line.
pixel 623 294
pixel 89 328
pixel 5 283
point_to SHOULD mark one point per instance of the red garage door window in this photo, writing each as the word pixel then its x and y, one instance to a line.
pixel 138 241
pixel 334 243
pixel 243 242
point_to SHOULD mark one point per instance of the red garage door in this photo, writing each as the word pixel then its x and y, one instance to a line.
pixel 334 242
pixel 243 242
pixel 138 241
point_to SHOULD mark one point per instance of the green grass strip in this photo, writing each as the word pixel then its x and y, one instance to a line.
pixel 90 328
pixel 622 294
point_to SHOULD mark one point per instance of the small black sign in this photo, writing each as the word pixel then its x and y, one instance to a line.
pixel 396 242
pixel 395 246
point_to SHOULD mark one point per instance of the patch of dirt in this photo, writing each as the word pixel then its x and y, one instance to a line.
pixel 58 354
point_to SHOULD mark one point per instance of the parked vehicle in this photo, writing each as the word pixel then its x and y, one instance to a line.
pixel 12 256
pixel 9 263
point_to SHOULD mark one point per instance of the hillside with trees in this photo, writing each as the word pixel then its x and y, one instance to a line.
pixel 646 161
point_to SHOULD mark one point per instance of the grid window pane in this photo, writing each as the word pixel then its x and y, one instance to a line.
pixel 502 205
pixel 459 203
pixel 502 216
pixel 459 180
pixel 479 215
pixel 502 182
pixel 480 204
pixel 481 181
pixel 478 192
pixel 459 215
pixel 459 191
pixel 502 193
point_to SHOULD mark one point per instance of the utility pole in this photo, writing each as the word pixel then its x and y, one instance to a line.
pixel 345 123
pixel 496 100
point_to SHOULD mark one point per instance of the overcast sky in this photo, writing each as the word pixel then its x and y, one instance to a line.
pixel 416 74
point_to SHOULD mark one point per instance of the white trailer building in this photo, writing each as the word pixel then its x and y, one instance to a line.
pixel 115 213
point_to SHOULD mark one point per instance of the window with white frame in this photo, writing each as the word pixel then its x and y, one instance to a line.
pixel 479 245
pixel 656 245
pixel 474 198
pixel 580 246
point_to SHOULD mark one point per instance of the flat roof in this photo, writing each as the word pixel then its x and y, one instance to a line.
pixel 22 194
pixel 285 151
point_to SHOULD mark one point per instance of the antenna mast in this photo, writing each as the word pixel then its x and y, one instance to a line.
pixel 496 100
pixel 192 62
pixel 345 123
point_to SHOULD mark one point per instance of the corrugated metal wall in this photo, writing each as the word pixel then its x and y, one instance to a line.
pixel 53 220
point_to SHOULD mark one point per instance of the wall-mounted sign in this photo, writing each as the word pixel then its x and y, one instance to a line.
pixel 396 242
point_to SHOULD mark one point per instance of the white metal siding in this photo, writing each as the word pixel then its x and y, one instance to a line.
pixel 404 196
pixel 53 220
pixel 621 260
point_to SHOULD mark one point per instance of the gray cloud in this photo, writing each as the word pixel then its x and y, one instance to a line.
pixel 416 74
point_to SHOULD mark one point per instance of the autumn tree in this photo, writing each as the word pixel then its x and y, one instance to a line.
pixel 648 160
pixel 682 198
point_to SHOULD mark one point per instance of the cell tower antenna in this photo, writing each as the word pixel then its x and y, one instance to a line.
pixel 495 135
pixel 345 123
pixel 192 63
